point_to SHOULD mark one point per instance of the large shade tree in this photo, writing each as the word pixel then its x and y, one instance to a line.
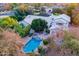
pixel 39 25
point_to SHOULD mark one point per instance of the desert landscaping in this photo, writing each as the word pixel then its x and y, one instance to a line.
pixel 39 29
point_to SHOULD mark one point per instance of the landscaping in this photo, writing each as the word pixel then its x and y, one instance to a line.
pixel 39 29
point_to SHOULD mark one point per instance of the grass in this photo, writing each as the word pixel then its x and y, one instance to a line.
pixel 56 14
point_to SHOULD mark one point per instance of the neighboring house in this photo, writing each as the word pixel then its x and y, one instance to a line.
pixel 2 6
pixel 49 11
pixel 6 14
pixel 54 21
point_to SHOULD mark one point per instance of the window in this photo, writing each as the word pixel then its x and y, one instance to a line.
pixel 59 23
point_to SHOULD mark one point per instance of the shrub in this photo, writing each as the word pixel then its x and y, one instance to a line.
pixel 38 25
pixel 70 8
pixel 22 31
pixel 13 24
pixel 45 42
pixel 70 42
pixel 27 29
pixel 57 11
pixel 75 20
pixel 8 22
pixel 47 31
pixel 41 50
pixel 19 30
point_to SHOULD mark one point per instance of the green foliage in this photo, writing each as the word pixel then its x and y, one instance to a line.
pixel 19 29
pixel 71 42
pixel 22 31
pixel 47 31
pixel 56 14
pixel 13 24
pixel 27 29
pixel 19 15
pixel 45 42
pixel 8 22
pixel 41 50
pixel 38 25
pixel 57 11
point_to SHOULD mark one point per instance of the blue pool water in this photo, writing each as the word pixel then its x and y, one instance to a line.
pixel 32 45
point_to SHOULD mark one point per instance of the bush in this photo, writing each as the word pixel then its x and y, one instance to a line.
pixel 13 24
pixel 8 22
pixel 70 8
pixel 57 11
pixel 45 42
pixel 27 29
pixel 41 50
pixel 70 42
pixel 47 31
pixel 22 31
pixel 38 25
pixel 75 20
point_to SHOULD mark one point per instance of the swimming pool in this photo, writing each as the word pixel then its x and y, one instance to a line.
pixel 32 45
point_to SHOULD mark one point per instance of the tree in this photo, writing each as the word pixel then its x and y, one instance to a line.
pixel 8 6
pixel 38 25
pixel 75 20
pixel 21 12
pixel 58 10
pixel 23 7
pixel 8 22
pixel 41 50
pixel 13 24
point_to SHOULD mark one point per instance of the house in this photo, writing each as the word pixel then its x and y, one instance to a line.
pixel 54 21
pixel 58 22
pixel 28 19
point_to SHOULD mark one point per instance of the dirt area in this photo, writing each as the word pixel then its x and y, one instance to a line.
pixel 11 36
pixel 74 31
pixel 57 51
